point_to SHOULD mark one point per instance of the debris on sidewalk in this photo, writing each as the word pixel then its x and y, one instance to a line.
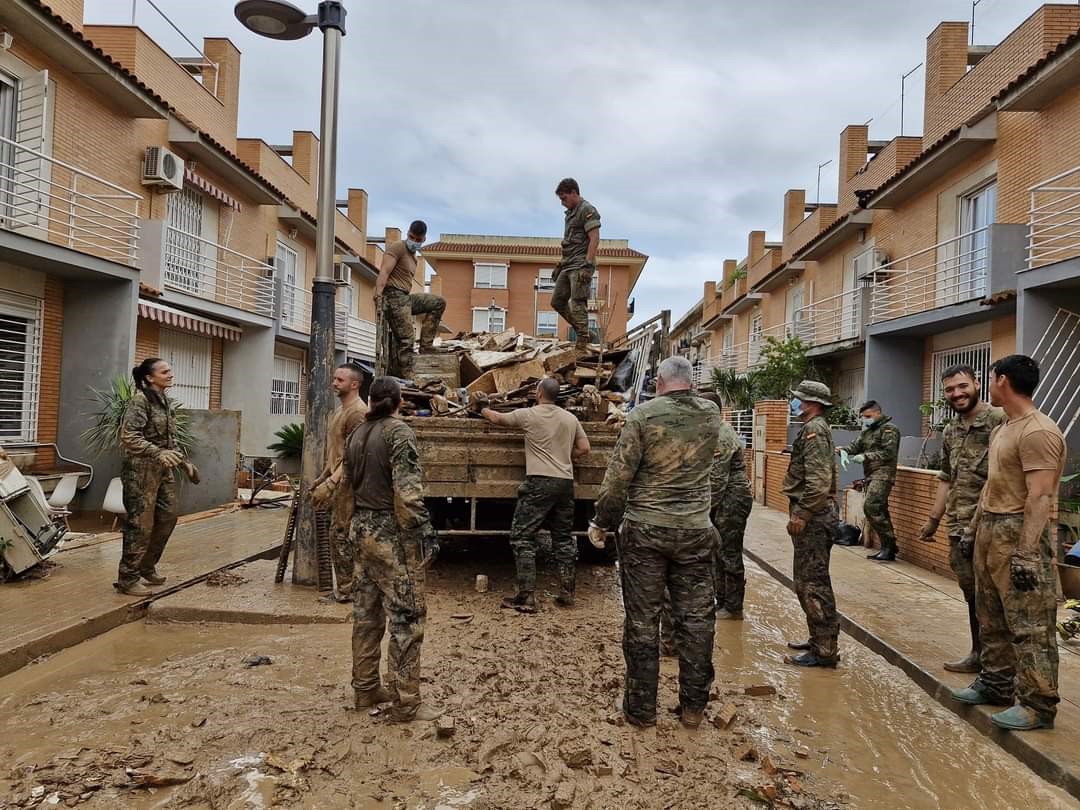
pixel 257 661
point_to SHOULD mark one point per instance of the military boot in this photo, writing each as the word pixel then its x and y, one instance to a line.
pixel 967 664
pixel 799 645
pixel 133 589
pixel 423 713
pixel 565 598
pixel 368 698
pixel 581 345
pixel 808 659
pixel 691 718
pixel 522 602
pixel 153 577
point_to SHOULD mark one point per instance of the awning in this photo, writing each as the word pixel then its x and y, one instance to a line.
pixel 205 185
pixel 186 321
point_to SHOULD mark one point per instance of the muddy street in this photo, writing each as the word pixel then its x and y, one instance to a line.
pixel 163 715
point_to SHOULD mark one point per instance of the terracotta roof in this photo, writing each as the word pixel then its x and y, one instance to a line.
pixel 489 248
pixel 836 223
pixel 1061 47
pixel 863 195
pixel 998 298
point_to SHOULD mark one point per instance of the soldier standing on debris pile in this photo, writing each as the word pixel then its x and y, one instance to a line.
pixel 327 487
pixel 656 492
pixel 397 304
pixel 392 537
pixel 810 485
pixel 150 457
pixel 574 273
pixel 877 449
pixel 964 467
pixel 554 440
pixel 1013 537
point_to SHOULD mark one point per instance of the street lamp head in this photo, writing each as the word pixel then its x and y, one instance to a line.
pixel 275 19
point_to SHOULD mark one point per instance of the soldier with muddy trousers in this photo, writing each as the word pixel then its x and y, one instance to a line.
pixel 574 273
pixel 965 458
pixel 398 304
pixel 656 492
pixel 810 486
pixel 151 456
pixel 877 449
pixel 392 537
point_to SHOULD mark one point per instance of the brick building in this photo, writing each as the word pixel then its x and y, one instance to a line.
pixel 492 283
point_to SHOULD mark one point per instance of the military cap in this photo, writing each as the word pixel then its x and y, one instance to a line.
pixel 814 391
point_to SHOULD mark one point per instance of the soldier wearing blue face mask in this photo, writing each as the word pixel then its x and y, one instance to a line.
pixel 877 449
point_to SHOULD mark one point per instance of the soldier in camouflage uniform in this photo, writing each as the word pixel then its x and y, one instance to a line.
pixel 877 449
pixel 573 274
pixel 965 455
pixel 327 487
pixel 657 488
pixel 810 485
pixel 391 528
pixel 150 458
pixel 393 293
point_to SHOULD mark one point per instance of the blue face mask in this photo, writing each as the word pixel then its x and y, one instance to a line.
pixel 796 406
pixel 867 422
pixel 412 246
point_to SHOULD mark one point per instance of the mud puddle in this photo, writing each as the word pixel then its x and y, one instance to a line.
pixel 169 716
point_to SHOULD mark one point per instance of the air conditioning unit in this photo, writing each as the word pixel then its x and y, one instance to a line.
pixel 162 168
pixel 341 274
pixel 867 265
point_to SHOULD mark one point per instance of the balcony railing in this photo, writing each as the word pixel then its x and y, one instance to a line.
pixel 1054 220
pixel 210 271
pixel 66 205
pixel 294 308
pixel 831 320
pixel 361 337
pixel 950 272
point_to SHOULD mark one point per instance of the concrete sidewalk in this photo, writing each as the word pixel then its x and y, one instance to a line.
pixel 76 601
pixel 916 620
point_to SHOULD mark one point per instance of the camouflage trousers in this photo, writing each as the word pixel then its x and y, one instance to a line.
pixel 876 509
pixel 542 500
pixel 963 568
pixel 1017 628
pixel 399 307
pixel 652 558
pixel 570 299
pixel 388 583
pixel 813 585
pixel 341 545
pixel 730 522
pixel 150 504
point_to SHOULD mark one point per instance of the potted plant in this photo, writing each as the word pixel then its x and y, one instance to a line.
pixel 103 436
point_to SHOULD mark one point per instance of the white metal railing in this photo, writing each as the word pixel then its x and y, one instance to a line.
pixel 733 358
pixel 1054 219
pixel 1058 354
pixel 67 205
pixel 361 336
pixel 949 272
pixel 832 319
pixel 207 270
pixel 341 323
pixel 294 308
pixel 743 423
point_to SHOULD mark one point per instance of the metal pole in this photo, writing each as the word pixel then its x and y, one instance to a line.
pixel 817 193
pixel 903 78
pixel 320 399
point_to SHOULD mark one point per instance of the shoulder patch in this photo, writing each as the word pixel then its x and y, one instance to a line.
pixel 811 435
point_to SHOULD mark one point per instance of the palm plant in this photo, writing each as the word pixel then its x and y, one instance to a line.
pixel 103 436
pixel 738 391
pixel 290 443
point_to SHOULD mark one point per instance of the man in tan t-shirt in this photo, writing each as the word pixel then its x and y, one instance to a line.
pixel 554 439
pixel 347 380
pixel 1015 581
pixel 393 293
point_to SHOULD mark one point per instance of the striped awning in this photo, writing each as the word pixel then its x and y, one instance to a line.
pixel 178 319
pixel 205 185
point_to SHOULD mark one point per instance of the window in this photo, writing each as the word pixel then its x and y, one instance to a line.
pixel 848 387
pixel 184 265
pixel 285 387
pixel 756 328
pixel 977 212
pixel 7 151
pixel 976 355
pixel 292 295
pixel 189 356
pixel 490 276
pixel 544 281
pixel 547 324
pixel 489 319
pixel 20 366
pixel 594 330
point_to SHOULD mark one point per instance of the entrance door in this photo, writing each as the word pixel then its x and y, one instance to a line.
pixel 189 356
pixel 8 94
pixel 183 259
pixel 977 212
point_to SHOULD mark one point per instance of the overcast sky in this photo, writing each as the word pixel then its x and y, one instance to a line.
pixel 684 121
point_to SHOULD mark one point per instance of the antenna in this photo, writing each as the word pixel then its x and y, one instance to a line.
pixel 973 4
pixel 817 194
pixel 902 80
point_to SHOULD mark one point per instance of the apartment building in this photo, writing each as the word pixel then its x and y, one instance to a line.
pixel 687 338
pixel 492 283
pixel 954 246
pixel 135 222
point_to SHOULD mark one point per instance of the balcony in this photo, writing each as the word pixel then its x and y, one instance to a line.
pixel 836 319
pixel 215 273
pixel 361 337
pixel 1053 233
pixel 294 308
pixel 50 200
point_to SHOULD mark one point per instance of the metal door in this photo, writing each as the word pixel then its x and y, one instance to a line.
pixel 759 456
pixel 183 257
pixel 189 355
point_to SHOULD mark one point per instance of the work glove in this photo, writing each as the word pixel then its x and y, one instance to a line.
pixel 845 459
pixel 428 540
pixel 321 493
pixel 1024 571
pixel 556 272
pixel 796 525
pixel 926 534
pixel 859 459
pixel 597 535
pixel 966 544
pixel 191 471
pixel 171 458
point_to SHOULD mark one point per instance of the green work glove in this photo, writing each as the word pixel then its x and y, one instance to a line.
pixel 845 460
pixel 859 459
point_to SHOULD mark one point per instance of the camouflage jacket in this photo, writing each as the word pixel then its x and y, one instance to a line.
pixel 965 461
pixel 880 444
pixel 810 483
pixel 407 478
pixel 728 477
pixel 660 469
pixel 580 219
pixel 149 427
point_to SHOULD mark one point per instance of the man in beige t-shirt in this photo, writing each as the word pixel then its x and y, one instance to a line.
pixel 1015 580
pixel 554 439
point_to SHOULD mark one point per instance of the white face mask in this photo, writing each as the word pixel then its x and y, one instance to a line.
pixel 412 246
pixel 867 422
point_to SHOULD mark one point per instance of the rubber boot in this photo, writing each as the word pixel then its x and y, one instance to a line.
pixel 423 713
pixel 368 698
pixel 971 662
pixel 799 645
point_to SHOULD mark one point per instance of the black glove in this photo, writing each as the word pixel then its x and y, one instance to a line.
pixel 428 540
pixel 966 545
pixel 1024 572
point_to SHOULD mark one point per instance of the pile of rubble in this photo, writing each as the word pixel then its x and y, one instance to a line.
pixel 500 371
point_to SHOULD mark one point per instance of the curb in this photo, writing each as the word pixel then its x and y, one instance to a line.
pixel 1016 744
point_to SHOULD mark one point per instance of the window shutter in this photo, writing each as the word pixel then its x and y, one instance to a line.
pixel 31 179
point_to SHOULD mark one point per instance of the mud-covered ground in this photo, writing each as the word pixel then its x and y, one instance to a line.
pixel 169 715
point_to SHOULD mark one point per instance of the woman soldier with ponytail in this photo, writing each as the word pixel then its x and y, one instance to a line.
pixel 150 456
pixel 390 525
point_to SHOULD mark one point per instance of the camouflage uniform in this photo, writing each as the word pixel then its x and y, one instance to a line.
pixel 544 499
pixel 149 487
pixel 880 444
pixel 731 504
pixel 399 307
pixel 573 275
pixel 810 485
pixel 382 469
pixel 657 487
